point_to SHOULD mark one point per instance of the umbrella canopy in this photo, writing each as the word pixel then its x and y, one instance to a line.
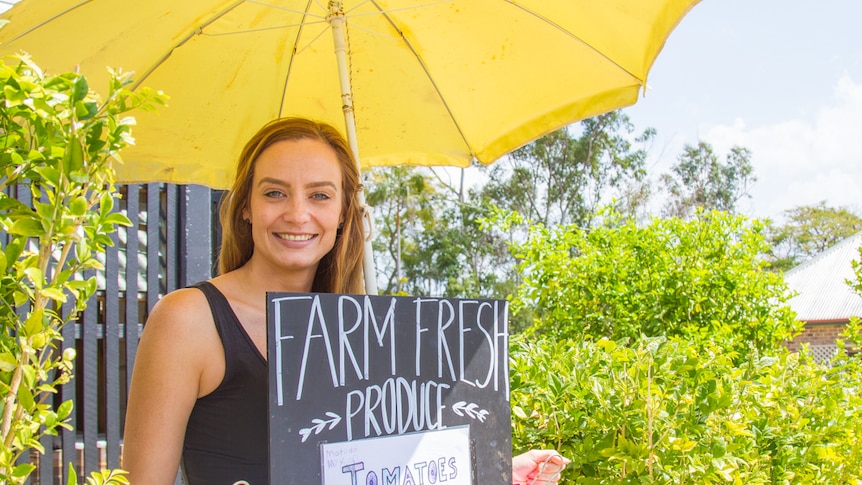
pixel 432 82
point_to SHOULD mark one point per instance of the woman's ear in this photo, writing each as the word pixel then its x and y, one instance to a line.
pixel 245 216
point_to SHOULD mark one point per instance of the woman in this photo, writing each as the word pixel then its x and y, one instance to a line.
pixel 290 223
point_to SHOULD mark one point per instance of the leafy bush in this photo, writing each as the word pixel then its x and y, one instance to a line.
pixel 57 141
pixel 671 411
pixel 700 278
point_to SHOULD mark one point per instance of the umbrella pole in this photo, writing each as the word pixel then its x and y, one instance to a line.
pixel 336 21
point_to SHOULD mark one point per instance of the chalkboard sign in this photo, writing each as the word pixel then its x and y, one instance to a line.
pixel 388 390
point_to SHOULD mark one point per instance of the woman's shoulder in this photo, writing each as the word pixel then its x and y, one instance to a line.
pixel 185 309
pixel 182 300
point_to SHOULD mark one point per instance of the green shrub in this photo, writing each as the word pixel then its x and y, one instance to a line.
pixel 671 411
pixel 701 279
pixel 57 141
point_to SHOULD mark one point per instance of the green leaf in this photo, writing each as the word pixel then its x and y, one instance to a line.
pixel 72 475
pixel 35 322
pixel 21 298
pixel 80 88
pixel 14 248
pixel 519 412
pixel 85 110
pixel 65 409
pixel 608 452
pixel 49 174
pixel 23 470
pixel 14 97
pixel 25 397
pixel 8 362
pixel 73 158
pixel 27 226
pixel 118 219
pixel 106 205
pixel 35 275
pixel 54 293
pixel 45 211
pixel 607 345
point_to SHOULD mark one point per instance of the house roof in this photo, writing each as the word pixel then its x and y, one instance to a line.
pixel 823 294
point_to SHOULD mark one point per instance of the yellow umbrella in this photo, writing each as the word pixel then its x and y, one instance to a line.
pixel 422 82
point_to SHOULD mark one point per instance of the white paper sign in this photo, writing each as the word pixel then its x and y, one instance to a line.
pixel 426 458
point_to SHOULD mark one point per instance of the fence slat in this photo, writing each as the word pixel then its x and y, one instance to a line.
pixel 132 333
pixel 195 224
pixel 171 234
pixel 154 215
pixel 46 461
pixel 112 353
pixel 68 391
pixel 90 380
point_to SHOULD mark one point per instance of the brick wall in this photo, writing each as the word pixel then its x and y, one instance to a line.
pixel 818 334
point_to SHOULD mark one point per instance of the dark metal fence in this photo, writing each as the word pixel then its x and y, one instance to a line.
pixel 173 242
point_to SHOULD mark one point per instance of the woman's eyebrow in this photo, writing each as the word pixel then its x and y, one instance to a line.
pixel 324 183
pixel 272 180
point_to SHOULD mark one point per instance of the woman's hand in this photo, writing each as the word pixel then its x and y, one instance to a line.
pixel 538 467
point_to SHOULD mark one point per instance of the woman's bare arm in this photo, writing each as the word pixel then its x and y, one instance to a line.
pixel 179 359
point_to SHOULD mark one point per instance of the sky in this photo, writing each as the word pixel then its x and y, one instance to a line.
pixel 782 78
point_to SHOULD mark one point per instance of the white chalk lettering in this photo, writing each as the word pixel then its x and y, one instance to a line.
pixel 442 343
pixel 420 330
pixel 280 336
pixel 355 323
pixel 380 333
pixel 316 315
pixel 399 404
pixel 343 337
pixel 462 331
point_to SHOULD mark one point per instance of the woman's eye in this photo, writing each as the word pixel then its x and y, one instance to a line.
pixel 273 194
pixel 320 196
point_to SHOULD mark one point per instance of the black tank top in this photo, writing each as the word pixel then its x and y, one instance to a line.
pixel 227 433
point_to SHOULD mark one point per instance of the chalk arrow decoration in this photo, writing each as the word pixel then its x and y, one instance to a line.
pixel 472 410
pixel 319 424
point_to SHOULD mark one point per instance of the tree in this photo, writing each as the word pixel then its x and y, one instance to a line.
pixel 699 179
pixel 57 143
pixel 429 242
pixel 402 198
pixel 808 231
pixel 562 178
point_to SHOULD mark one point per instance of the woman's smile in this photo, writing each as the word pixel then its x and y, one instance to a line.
pixel 295 237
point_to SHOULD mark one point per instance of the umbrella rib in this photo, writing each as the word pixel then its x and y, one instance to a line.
pixel 557 26
pixel 196 31
pixel 401 9
pixel 47 21
pixel 305 14
pixel 421 62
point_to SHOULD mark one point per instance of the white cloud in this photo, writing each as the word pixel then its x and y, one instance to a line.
pixel 803 161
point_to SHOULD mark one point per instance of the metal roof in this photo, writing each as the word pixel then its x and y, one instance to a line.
pixel 823 294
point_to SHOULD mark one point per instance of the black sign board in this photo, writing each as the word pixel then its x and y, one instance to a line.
pixel 388 390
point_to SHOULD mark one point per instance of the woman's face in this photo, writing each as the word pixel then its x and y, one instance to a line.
pixel 295 205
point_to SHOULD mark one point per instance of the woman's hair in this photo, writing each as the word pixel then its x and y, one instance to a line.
pixel 340 270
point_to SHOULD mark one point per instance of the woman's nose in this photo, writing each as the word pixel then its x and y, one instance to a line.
pixel 296 210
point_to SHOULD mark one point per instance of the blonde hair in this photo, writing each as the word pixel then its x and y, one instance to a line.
pixel 340 270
